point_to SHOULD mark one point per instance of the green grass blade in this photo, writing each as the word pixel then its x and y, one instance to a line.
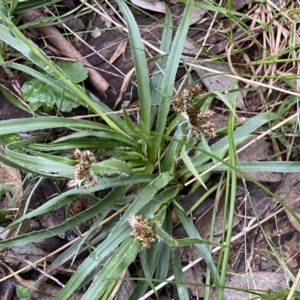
pixel 92 263
pixel 188 163
pixel 23 125
pixel 24 6
pixel 230 199
pixel 144 197
pixel 104 183
pixel 104 205
pixel 164 259
pixel 147 266
pixel 140 64
pixel 192 232
pixel 170 74
pixel 178 274
pixel 158 76
pixel 125 254
pixel 137 131
pixel 153 262
pixel 172 155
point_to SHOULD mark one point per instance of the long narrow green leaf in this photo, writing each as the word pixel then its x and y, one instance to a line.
pixel 153 257
pixel 31 124
pixel 87 269
pixel 125 254
pixel 24 6
pixel 144 197
pixel 230 199
pixel 104 183
pixel 9 96
pixel 146 265
pixel 140 64
pixel 170 74
pixel 192 232
pixel 158 76
pixel 105 204
pixel 164 259
pixel 257 166
pixel 178 274
pixel 139 132
pixel 172 155
pixel 188 163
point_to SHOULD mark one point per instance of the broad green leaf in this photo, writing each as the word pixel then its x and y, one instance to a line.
pixel 42 94
pixel 39 94
pixel 14 37
pixel 75 71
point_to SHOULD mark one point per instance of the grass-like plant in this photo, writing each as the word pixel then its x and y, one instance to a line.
pixel 158 156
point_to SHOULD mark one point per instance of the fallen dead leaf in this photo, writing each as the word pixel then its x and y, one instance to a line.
pixel 263 282
pixel 158 6
pixel 261 150
pixel 214 82
pixel 119 51
pixel 11 175
pixel 196 275
pixel 292 199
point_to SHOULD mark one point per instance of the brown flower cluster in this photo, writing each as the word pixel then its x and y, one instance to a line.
pixel 83 176
pixel 141 230
pixel 198 119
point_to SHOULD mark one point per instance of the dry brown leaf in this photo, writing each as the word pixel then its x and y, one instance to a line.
pixel 158 6
pixel 258 281
pixel 125 83
pixel 119 51
pixel 261 150
pixel 214 81
pixel 289 191
pixel 292 199
pixel 10 175
pixel 196 275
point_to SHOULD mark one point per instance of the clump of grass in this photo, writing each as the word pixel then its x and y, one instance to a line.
pixel 158 157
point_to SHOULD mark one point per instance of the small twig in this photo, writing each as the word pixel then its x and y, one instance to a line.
pixel 56 39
